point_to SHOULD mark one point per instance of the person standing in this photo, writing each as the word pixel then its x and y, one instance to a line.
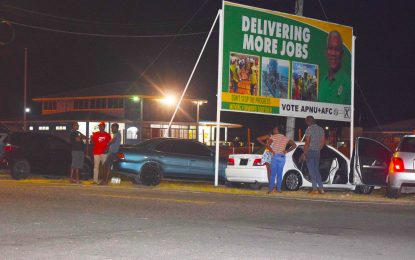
pixel 77 152
pixel 114 146
pixel 234 75
pixel 314 142
pixel 267 155
pixel 253 78
pixel 100 140
pixel 277 143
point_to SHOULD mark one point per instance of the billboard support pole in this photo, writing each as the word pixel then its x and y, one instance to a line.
pixel 290 124
pixel 352 101
pixel 219 96
pixel 191 76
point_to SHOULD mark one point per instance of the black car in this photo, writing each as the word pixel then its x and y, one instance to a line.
pixel 27 153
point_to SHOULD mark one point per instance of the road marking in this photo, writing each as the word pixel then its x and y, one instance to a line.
pixel 197 202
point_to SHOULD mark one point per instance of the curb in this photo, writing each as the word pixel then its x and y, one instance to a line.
pixel 377 196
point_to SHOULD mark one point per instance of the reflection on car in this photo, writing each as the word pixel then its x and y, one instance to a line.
pixel 154 159
pixel 335 168
pixel 38 153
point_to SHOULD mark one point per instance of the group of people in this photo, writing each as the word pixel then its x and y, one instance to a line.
pixel 305 87
pixel 105 150
pixel 276 148
pixel 244 70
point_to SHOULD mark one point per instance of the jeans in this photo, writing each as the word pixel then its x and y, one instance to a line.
pixel 98 159
pixel 313 164
pixel 277 166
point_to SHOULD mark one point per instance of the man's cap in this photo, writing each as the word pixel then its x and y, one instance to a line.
pixel 102 123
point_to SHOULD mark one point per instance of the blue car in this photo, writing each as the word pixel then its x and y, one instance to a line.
pixel 154 159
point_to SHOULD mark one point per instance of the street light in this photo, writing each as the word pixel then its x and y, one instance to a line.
pixel 198 104
pixel 135 99
pixel 27 110
pixel 169 100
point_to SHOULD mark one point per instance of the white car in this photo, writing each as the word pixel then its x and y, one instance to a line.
pixel 368 170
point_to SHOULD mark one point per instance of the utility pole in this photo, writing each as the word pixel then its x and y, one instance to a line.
pixel 290 125
pixel 25 90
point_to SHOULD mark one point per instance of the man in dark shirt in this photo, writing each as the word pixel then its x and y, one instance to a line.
pixel 77 152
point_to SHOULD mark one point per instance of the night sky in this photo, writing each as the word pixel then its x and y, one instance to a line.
pixel 58 62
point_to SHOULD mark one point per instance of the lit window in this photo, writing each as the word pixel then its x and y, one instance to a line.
pixel 132 132
pixel 31 128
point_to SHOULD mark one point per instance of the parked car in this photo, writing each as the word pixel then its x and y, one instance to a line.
pixel 336 170
pixel 402 167
pixel 28 153
pixel 2 139
pixel 154 159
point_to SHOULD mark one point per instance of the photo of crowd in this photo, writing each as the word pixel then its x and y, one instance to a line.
pixel 244 74
pixel 304 82
pixel 274 81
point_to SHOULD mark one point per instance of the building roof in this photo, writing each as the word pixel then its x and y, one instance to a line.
pixel 222 124
pixel 115 89
pixel 76 116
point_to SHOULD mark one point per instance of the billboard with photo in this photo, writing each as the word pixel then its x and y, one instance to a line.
pixel 281 64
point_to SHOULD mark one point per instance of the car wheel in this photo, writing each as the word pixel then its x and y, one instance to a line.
pixel 232 184
pixel 255 186
pixel 20 169
pixel 364 189
pixel 292 181
pixel 393 193
pixel 151 174
pixel 86 172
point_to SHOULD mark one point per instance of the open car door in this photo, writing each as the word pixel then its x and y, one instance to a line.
pixel 370 162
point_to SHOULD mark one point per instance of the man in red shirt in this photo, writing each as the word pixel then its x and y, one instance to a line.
pixel 100 140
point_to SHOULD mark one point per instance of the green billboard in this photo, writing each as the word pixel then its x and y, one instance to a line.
pixel 281 64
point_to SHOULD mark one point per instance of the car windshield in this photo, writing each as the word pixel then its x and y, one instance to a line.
pixel 407 145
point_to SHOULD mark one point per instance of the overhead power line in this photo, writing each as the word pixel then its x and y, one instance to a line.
pixel 357 84
pixel 322 8
pixel 367 104
pixel 9 9
pixel 104 35
pixel 171 41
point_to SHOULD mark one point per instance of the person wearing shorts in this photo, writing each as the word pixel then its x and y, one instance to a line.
pixel 266 156
pixel 77 153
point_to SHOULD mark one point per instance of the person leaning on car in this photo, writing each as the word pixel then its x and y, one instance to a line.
pixel 277 143
pixel 100 140
pixel 77 153
pixel 314 142
pixel 114 146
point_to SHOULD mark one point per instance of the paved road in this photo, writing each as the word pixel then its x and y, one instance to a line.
pixel 59 221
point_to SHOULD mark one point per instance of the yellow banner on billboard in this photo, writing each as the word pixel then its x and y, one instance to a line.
pixel 251 100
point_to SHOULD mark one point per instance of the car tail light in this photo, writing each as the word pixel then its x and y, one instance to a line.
pixel 396 165
pixel 231 161
pixel 121 156
pixel 9 148
pixel 257 162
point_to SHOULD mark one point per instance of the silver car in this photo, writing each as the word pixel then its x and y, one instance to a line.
pixel 402 167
